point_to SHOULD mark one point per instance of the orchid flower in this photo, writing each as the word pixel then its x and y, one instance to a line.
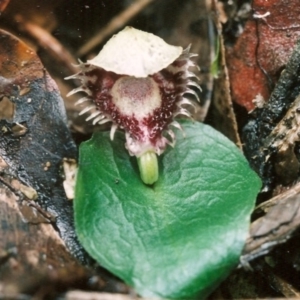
pixel 138 83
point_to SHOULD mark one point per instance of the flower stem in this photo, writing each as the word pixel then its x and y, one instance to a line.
pixel 148 166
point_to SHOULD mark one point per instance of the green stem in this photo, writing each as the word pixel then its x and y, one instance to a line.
pixel 148 166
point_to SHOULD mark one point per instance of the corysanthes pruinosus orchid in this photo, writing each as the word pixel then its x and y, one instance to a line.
pixel 138 83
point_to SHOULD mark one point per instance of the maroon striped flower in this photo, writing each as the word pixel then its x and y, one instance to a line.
pixel 139 83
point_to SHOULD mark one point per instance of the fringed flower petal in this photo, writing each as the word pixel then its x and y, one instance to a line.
pixel 127 87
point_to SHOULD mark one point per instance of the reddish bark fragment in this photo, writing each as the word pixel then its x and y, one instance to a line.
pixel 261 52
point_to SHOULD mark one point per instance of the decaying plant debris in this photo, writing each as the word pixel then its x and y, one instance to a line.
pixel 258 60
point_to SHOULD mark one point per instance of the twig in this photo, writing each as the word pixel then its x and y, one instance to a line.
pixel 3 4
pixel 45 40
pixel 82 295
pixel 278 283
pixel 116 23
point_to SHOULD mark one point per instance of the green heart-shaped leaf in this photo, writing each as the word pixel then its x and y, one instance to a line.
pixel 178 238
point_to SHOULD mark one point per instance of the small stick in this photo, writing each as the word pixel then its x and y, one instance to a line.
pixel 3 4
pixel 116 23
pixel 45 40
